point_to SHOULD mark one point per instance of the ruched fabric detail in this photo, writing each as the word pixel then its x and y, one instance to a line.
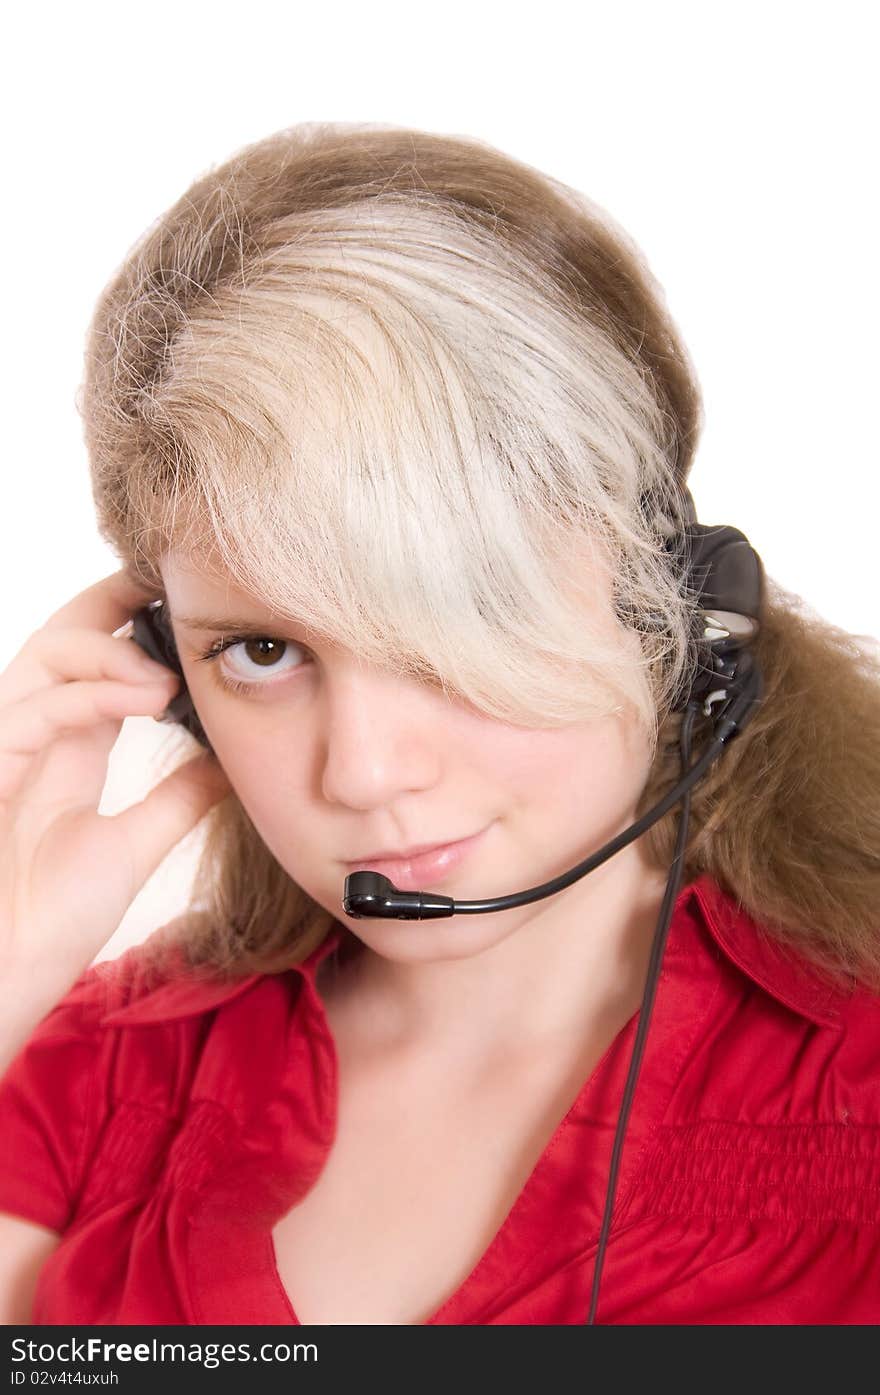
pixel 791 1172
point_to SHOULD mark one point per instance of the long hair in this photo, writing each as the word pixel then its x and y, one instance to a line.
pixel 402 385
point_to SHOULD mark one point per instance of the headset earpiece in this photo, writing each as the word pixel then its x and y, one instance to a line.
pixel 726 580
pixel 151 629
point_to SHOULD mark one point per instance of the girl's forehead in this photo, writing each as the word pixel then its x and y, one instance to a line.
pixel 208 597
pixel 192 580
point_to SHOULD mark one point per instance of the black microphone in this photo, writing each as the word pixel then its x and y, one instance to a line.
pixel 370 894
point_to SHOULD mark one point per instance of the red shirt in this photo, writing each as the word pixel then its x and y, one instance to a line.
pixel 165 1132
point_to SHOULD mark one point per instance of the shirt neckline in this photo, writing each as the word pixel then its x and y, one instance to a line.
pixel 244 1201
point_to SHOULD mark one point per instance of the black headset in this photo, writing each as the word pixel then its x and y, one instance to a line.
pixel 725 578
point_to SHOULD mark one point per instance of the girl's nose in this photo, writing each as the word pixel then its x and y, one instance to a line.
pixel 382 737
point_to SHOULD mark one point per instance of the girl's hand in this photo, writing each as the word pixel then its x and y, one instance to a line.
pixel 67 873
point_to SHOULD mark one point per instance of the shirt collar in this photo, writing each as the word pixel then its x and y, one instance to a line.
pixel 763 958
pixel 180 997
pixel 741 939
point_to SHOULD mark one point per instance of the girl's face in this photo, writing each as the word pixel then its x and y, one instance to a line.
pixel 334 761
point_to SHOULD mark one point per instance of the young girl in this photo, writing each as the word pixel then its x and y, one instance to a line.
pixel 398 431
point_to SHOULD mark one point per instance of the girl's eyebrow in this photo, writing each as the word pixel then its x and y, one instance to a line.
pixel 227 622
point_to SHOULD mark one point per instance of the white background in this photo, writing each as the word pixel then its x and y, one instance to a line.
pixel 736 144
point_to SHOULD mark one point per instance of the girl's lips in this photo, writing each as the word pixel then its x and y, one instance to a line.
pixel 422 873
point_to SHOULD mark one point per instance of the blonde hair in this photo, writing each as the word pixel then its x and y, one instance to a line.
pixel 407 388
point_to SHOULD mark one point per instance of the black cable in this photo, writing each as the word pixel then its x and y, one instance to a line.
pixel 657 948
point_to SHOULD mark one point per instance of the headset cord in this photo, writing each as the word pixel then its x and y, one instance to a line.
pixel 657 948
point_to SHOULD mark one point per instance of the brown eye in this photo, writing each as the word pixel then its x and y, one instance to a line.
pixel 246 656
pixel 264 651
